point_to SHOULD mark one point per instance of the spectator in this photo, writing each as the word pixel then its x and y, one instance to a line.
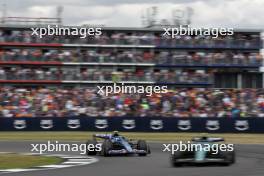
pixel 196 102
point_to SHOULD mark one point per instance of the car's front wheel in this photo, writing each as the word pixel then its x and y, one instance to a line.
pixel 106 147
pixel 91 142
pixel 174 157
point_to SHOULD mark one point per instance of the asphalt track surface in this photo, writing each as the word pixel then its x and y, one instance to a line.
pixel 250 162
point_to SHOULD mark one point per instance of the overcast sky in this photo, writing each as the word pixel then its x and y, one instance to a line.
pixel 206 13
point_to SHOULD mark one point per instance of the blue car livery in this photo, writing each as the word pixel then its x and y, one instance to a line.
pixel 115 144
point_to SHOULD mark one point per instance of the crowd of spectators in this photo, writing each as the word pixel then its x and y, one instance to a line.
pixel 137 38
pixel 102 74
pixel 110 56
pixel 196 102
pixel 62 102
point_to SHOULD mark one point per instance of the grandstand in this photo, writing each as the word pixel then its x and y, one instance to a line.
pixel 33 67
pixel 132 55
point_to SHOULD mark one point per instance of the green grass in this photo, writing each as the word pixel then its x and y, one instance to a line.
pixel 14 161
pixel 164 137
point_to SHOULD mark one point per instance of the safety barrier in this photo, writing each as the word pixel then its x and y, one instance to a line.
pixel 140 124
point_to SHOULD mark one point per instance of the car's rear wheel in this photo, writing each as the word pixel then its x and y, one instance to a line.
pixel 142 145
pixel 91 142
pixel 230 158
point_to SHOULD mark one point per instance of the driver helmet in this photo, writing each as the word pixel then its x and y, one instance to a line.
pixel 115 133
pixel 204 136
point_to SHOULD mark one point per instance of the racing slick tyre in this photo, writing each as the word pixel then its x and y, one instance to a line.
pixel 91 152
pixel 106 147
pixel 230 158
pixel 142 145
pixel 174 157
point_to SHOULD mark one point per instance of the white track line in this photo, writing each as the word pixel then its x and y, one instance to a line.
pixel 70 161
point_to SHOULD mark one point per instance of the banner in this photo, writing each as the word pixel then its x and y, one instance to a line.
pixel 135 124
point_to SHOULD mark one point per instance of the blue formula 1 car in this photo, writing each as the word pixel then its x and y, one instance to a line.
pixel 115 144
pixel 205 150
